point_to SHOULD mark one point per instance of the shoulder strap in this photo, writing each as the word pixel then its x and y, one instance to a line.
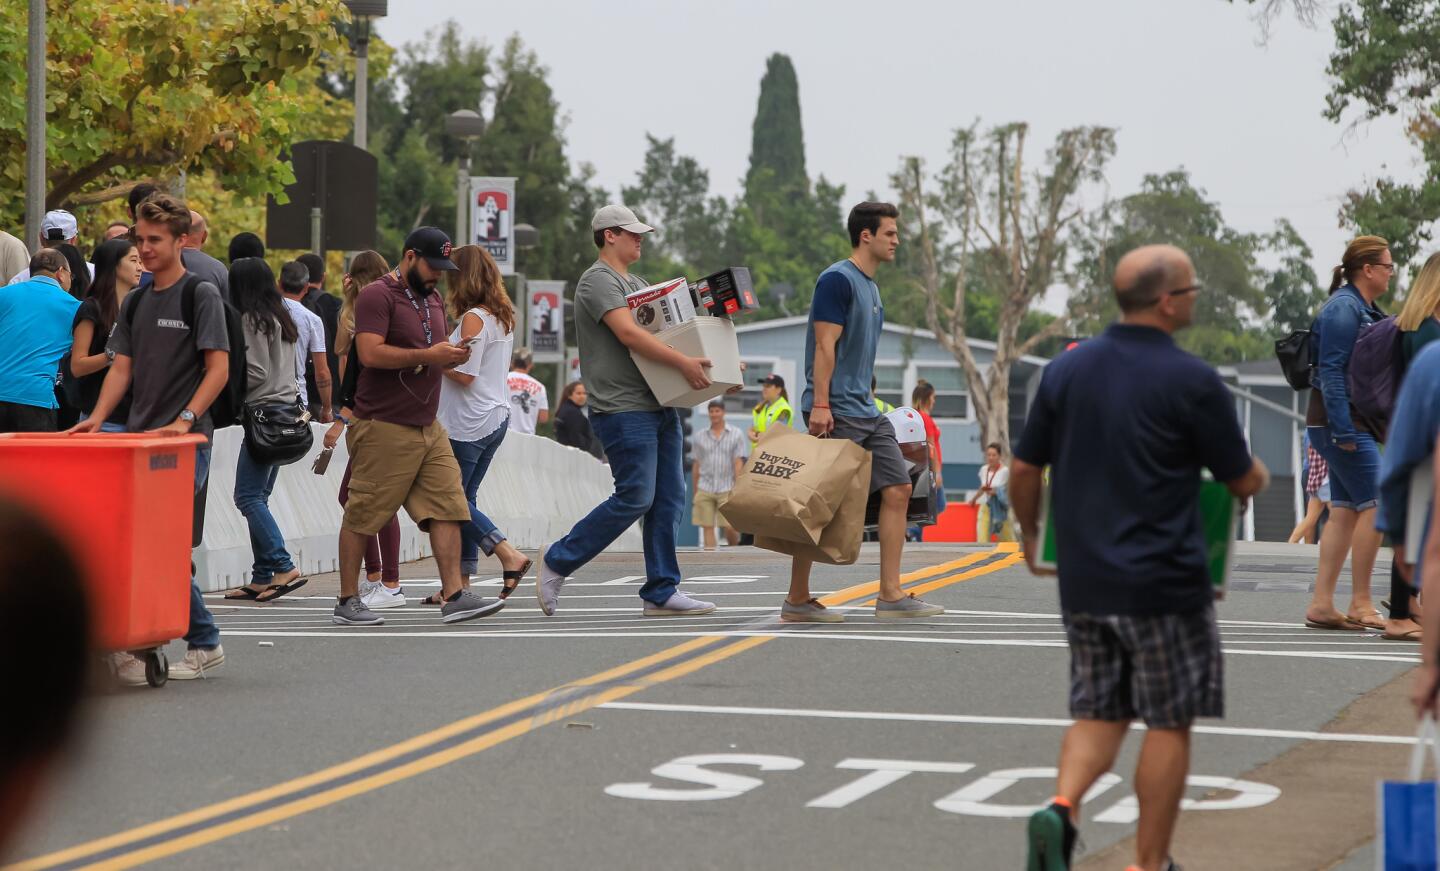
pixel 187 300
pixel 131 306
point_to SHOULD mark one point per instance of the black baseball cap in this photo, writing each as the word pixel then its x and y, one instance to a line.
pixel 774 381
pixel 432 244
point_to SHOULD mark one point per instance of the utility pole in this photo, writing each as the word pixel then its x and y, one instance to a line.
pixel 35 187
pixel 465 125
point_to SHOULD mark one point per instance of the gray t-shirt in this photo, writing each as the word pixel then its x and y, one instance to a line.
pixel 167 353
pixel 611 376
pixel 209 269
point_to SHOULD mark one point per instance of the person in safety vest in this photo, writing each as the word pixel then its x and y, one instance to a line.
pixel 881 405
pixel 774 407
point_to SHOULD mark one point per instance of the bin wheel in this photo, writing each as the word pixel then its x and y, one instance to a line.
pixel 157 668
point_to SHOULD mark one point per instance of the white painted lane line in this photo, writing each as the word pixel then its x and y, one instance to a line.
pixel 971 720
pixel 771 595
pixel 360 632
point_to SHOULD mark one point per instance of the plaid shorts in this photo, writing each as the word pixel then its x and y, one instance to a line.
pixel 1317 472
pixel 1165 669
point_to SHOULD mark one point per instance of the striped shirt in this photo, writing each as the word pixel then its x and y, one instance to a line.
pixel 716 457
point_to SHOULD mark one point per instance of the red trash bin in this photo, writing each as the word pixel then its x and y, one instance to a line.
pixel 124 504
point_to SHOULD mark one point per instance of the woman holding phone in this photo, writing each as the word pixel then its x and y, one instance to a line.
pixel 475 402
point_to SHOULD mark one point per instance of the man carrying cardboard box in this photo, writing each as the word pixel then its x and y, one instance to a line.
pixel 846 315
pixel 643 440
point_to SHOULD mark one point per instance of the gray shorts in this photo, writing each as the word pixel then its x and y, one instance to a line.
pixel 876 435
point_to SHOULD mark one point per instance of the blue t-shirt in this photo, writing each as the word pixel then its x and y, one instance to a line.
pixel 1126 421
pixel 846 296
pixel 35 318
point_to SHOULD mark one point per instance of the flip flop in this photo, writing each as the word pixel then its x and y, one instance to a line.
pixel 1361 622
pixel 1412 635
pixel 1343 624
pixel 512 579
pixel 244 594
pixel 275 591
pixel 432 599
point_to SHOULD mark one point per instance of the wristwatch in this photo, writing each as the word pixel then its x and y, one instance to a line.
pixel 188 416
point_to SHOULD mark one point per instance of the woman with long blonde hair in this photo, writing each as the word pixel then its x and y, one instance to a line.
pixel 1419 326
pixel 475 404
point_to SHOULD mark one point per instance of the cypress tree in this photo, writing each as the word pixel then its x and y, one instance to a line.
pixel 777 145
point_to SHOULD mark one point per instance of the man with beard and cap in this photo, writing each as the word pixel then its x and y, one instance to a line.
pixel 399 454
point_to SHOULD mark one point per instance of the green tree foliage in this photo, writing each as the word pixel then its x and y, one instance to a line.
pixel 1242 308
pixel 987 221
pixel 1385 63
pixel 777 143
pixel 140 90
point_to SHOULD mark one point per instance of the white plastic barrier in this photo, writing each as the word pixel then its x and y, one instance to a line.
pixel 534 492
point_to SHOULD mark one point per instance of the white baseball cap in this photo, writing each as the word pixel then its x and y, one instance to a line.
pixel 613 216
pixel 61 221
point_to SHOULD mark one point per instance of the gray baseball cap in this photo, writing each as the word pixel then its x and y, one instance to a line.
pixel 612 216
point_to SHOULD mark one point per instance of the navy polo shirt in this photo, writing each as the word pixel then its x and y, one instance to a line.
pixel 1126 421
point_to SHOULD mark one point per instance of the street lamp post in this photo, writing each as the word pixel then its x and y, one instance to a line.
pixel 35 124
pixel 364 12
pixel 465 125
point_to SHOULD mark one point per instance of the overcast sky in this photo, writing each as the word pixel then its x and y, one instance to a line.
pixel 1185 82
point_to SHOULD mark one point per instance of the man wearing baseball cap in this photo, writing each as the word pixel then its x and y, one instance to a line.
pixel 643 441
pixel 57 228
pixel 399 454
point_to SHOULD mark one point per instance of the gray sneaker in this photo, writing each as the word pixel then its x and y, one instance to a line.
pixel 468 606
pixel 910 606
pixel 352 612
pixel 810 612
pixel 547 583
pixel 679 605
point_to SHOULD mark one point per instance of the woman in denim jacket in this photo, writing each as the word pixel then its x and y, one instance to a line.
pixel 1347 443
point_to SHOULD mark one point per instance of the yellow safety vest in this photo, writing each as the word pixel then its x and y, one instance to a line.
pixel 882 406
pixel 766 415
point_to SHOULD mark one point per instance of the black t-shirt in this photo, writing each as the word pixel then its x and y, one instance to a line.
pixel 90 385
pixel 1126 421
pixel 328 308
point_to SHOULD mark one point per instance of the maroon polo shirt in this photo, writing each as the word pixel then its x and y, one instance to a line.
pixel 399 396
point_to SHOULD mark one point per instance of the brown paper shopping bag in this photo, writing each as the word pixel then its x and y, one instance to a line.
pixel 792 485
pixel 839 543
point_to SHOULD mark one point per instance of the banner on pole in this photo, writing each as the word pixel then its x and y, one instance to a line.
pixel 547 320
pixel 492 219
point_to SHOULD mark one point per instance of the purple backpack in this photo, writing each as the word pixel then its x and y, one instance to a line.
pixel 1373 375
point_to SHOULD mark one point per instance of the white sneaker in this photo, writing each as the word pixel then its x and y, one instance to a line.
pixel 547 584
pixel 196 663
pixel 679 605
pixel 129 670
pixel 384 597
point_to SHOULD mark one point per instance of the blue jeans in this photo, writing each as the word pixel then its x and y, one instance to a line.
pixel 1354 475
pixel 203 633
pixel 480 533
pixel 253 484
pixel 645 450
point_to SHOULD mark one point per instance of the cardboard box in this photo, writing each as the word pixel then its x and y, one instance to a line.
pixel 702 336
pixel 662 306
pixel 726 293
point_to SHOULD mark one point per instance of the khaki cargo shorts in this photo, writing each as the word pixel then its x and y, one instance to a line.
pixel 394 466
pixel 705 511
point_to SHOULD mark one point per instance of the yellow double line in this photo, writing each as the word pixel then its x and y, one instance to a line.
pixel 452 742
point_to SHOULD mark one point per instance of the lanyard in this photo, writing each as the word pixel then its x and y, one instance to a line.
pixel 424 318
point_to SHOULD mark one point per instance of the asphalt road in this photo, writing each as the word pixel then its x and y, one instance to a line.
pixel 601 739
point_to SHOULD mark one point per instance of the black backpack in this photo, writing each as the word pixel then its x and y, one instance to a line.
pixel 228 409
pixel 1296 353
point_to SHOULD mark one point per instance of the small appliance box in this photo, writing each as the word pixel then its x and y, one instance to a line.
pixel 701 336
pixel 662 306
pixel 726 293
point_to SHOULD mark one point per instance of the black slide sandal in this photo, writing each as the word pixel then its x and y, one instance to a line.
pixel 275 591
pixel 511 580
